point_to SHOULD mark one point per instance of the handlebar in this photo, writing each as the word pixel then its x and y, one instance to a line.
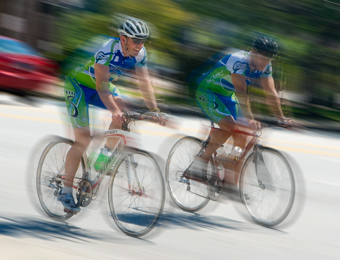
pixel 284 123
pixel 287 124
pixel 129 117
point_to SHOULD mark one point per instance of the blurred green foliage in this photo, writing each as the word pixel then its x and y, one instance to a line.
pixel 187 33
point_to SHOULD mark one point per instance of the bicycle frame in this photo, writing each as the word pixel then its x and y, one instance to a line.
pixel 260 167
pixel 135 173
pixel 253 143
pixel 117 151
pixel 115 157
pixel 260 177
pixel 86 187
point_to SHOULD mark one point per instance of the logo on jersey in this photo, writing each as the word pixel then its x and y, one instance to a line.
pixel 101 56
pixel 203 98
pixel 214 104
pixel 117 70
pixel 239 66
pixel 144 61
pixel 269 70
pixel 69 96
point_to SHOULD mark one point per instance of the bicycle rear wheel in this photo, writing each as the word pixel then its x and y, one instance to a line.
pixel 267 186
pixel 50 176
pixel 188 195
pixel 136 193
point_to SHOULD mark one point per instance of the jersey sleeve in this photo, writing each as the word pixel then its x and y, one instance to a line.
pixel 268 71
pixel 237 64
pixel 142 58
pixel 104 54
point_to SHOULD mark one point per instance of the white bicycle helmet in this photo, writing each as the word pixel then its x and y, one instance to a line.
pixel 134 28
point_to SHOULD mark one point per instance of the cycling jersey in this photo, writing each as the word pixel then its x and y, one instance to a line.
pixel 218 79
pixel 80 85
pixel 216 92
pixel 110 54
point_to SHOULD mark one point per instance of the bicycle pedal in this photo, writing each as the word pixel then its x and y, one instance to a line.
pixel 70 211
pixel 214 193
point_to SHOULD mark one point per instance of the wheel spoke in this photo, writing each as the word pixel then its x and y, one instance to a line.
pixel 138 211
pixel 270 205
pixel 50 164
pixel 180 157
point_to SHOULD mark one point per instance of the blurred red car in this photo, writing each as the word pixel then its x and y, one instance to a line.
pixel 23 69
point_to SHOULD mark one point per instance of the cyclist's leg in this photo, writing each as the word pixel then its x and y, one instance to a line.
pixel 239 139
pixel 96 101
pixel 77 106
pixel 111 142
pixel 74 155
pixel 218 112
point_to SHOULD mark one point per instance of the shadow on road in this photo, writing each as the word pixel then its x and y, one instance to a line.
pixel 21 227
pixel 46 230
pixel 191 221
pixel 196 221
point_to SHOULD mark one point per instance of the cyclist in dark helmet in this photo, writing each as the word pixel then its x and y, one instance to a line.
pixel 222 95
pixel 266 47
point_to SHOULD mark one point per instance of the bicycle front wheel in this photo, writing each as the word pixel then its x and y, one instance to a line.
pixel 136 193
pixel 267 186
pixel 188 195
pixel 50 177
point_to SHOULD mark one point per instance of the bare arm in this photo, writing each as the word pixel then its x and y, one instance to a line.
pixel 146 87
pixel 102 86
pixel 272 96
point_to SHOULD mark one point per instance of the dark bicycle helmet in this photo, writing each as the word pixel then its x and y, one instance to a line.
pixel 266 47
pixel 134 28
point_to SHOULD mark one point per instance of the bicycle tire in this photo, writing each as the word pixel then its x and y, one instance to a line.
pixel 191 196
pixel 136 214
pixel 268 193
pixel 49 175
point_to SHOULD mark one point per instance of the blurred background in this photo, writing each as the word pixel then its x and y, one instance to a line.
pixel 188 37
pixel 42 40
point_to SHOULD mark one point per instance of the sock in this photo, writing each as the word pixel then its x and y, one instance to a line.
pixel 67 189
pixel 107 148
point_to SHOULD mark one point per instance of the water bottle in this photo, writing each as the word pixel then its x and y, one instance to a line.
pixel 102 159
pixel 235 152
pixel 222 158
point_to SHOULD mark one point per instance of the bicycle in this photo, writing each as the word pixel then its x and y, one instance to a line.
pixel 266 187
pixel 136 190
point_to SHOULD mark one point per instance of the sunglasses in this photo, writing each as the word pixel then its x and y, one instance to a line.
pixel 138 41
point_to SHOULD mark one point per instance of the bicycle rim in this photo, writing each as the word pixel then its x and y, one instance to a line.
pixel 136 201
pixel 267 188
pixel 190 196
pixel 50 175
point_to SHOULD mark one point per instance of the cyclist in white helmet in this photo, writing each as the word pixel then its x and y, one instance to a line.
pixel 91 84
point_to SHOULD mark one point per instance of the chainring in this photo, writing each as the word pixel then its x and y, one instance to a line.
pixel 214 187
pixel 84 193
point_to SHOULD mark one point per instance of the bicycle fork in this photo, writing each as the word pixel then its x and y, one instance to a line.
pixel 131 166
pixel 264 178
